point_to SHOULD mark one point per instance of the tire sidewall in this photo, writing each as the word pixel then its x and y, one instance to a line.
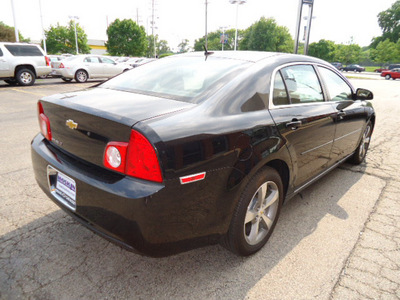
pixel 18 77
pixel 236 231
pixel 77 76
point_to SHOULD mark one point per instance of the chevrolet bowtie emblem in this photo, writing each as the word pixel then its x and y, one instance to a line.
pixel 71 124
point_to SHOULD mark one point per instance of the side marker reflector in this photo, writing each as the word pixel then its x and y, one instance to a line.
pixel 192 178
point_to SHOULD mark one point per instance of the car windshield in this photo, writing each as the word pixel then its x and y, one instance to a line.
pixel 181 78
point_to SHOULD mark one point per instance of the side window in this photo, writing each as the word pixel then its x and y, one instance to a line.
pixel 280 96
pixel 1 52
pixel 338 89
pixel 24 50
pixel 107 60
pixel 302 84
pixel 92 59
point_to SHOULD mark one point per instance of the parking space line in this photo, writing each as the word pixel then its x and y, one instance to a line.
pixel 26 92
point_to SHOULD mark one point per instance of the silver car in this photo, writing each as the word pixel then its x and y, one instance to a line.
pixel 84 67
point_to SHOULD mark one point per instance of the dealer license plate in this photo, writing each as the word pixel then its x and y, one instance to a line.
pixel 62 187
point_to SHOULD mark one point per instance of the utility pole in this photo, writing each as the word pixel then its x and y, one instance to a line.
pixel 206 35
pixel 44 35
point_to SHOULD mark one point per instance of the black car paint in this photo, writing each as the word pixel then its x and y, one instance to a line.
pixel 235 137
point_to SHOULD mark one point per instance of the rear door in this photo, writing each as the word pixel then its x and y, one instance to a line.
pixel 94 66
pixel 4 65
pixel 304 119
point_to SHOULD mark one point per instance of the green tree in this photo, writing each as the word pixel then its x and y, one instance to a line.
pixel 184 46
pixel 386 52
pixel 323 49
pixel 7 34
pixel 214 41
pixel 348 54
pixel 389 21
pixel 126 38
pixel 161 46
pixel 266 35
pixel 61 39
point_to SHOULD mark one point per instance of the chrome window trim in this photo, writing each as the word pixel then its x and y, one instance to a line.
pixel 271 104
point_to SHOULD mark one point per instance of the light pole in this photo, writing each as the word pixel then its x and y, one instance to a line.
pixel 44 35
pixel 310 4
pixel 76 35
pixel 237 2
pixel 15 22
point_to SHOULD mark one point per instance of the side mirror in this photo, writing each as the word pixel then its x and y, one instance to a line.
pixel 363 94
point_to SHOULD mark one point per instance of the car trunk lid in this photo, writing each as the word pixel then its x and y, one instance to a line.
pixel 82 123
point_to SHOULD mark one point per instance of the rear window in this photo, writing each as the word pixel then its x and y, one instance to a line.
pixel 24 50
pixel 181 78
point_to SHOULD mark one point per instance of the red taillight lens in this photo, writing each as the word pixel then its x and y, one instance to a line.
pixel 44 123
pixel 138 158
pixel 61 66
pixel 47 61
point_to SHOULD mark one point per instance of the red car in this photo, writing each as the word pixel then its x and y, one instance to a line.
pixel 395 73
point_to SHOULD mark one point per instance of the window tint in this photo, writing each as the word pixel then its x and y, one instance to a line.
pixel 24 50
pixel 302 84
pixel 280 96
pixel 1 52
pixel 92 59
pixel 338 89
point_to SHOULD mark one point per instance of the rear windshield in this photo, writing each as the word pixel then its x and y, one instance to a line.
pixel 24 50
pixel 181 78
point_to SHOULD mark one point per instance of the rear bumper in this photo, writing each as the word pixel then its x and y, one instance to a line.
pixel 129 212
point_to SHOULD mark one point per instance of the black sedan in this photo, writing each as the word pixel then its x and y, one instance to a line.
pixel 354 68
pixel 198 148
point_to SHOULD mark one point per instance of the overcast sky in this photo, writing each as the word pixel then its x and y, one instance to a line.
pixel 336 20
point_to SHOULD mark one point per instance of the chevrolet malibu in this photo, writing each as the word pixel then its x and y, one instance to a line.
pixel 198 148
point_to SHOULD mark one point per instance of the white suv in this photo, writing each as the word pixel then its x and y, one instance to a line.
pixel 22 63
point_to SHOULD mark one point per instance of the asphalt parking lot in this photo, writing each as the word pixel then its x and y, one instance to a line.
pixel 338 239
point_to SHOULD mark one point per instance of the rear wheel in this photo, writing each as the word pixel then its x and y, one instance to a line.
pixel 25 77
pixel 361 151
pixel 81 76
pixel 256 214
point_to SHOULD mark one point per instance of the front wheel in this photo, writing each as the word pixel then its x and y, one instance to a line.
pixel 81 76
pixel 361 151
pixel 256 214
pixel 25 77
pixel 387 77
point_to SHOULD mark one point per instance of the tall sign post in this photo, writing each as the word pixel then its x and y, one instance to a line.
pixel 310 4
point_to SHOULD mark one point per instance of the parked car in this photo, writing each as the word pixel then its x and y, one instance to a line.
pixel 136 62
pixel 83 67
pixel 22 63
pixel 394 74
pixel 355 68
pixel 195 149
pixel 380 70
pixel 338 65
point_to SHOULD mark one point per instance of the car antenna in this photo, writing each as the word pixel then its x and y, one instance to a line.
pixel 206 52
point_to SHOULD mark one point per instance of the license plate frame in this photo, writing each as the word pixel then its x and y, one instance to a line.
pixel 62 187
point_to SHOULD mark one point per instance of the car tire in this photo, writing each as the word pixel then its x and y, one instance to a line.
pixel 25 77
pixel 81 76
pixel 11 82
pixel 361 151
pixel 256 214
pixel 66 79
pixel 387 77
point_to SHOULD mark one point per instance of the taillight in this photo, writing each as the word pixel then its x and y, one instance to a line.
pixel 44 123
pixel 61 66
pixel 137 158
pixel 47 61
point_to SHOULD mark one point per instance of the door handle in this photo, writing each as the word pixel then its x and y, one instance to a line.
pixel 294 124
